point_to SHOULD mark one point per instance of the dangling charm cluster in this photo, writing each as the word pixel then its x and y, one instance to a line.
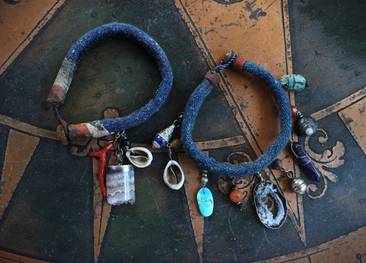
pixel 120 180
pixel 173 174
pixel 297 184
pixel 204 197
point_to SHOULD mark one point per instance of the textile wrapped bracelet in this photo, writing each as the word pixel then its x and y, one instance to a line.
pixel 198 96
pixel 100 128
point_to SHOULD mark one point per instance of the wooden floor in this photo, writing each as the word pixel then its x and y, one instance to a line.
pixel 51 204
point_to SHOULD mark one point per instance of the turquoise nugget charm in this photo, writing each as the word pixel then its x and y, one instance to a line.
pixel 205 198
pixel 293 82
pixel 205 201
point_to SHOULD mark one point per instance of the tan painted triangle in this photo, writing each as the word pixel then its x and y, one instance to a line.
pixel 20 24
pixel 347 248
pixel 19 150
pixel 193 174
pixel 264 40
pixel 6 257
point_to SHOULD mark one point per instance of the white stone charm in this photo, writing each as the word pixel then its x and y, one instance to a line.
pixel 139 156
pixel 120 184
pixel 173 175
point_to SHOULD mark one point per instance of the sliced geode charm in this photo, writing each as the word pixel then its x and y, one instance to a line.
pixel 305 162
pixel 270 204
pixel 205 201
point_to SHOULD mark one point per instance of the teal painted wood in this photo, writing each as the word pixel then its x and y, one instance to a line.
pixel 205 201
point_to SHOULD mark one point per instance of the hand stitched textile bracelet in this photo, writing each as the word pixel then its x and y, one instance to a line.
pixel 198 96
pixel 100 128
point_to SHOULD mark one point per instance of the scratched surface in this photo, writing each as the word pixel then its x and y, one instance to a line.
pixel 51 208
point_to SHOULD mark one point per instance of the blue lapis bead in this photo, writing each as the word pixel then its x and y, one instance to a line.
pixel 205 201
pixel 162 138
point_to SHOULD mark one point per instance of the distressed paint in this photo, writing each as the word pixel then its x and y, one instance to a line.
pixel 354 117
pixel 339 105
pixel 7 257
pixel 17 156
pixel 347 248
pixel 323 249
pixel 27 128
pixel 19 28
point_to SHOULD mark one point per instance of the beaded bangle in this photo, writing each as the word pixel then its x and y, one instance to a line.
pixel 198 96
pixel 100 128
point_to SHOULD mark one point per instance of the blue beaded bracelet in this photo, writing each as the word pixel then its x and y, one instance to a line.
pixel 108 126
pixel 198 96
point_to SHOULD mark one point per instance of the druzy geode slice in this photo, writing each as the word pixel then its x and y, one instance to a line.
pixel 270 204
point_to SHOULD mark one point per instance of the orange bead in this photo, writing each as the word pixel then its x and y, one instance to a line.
pixel 236 196
pixel 294 112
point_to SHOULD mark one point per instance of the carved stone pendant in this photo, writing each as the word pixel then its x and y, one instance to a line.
pixel 120 183
pixel 205 201
pixel 270 204
pixel 139 156
pixel 293 82
pixel 173 175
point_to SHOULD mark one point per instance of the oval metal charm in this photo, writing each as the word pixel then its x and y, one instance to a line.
pixel 270 204
pixel 205 201
pixel 139 156
pixel 173 175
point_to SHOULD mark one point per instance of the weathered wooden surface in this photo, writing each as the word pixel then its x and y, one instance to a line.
pixel 52 208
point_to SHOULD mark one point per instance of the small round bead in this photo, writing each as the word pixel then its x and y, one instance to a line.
pixel 236 196
pixel 126 143
pixel 204 179
pixel 277 164
pixel 294 112
pixel 176 144
pixel 298 186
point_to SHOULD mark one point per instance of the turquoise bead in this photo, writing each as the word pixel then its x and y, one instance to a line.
pixel 205 201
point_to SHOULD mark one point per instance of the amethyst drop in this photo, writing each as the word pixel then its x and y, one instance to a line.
pixel 305 162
